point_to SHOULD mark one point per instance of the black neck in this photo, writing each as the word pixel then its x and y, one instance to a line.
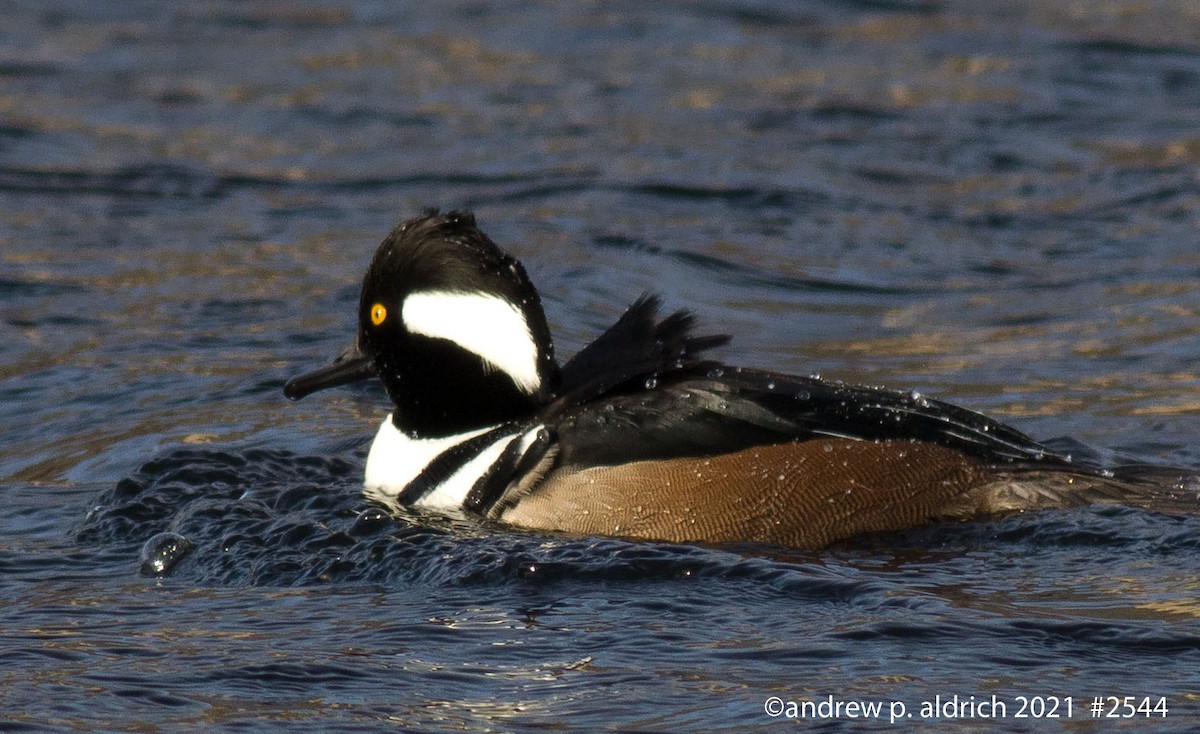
pixel 449 390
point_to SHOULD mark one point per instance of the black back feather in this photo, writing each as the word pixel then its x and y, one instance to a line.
pixel 642 390
pixel 636 347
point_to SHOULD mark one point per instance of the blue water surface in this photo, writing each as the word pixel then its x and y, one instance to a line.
pixel 996 203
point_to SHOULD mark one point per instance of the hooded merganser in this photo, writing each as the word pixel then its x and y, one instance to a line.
pixel 642 435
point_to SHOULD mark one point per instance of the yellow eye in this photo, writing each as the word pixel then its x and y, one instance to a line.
pixel 378 314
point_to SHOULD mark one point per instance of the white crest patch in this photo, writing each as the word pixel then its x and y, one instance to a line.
pixel 486 325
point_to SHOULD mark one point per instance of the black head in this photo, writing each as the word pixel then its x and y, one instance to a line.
pixel 452 326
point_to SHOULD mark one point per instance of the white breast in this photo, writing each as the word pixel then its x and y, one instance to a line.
pixel 396 459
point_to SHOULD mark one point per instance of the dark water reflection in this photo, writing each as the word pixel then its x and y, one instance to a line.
pixel 995 203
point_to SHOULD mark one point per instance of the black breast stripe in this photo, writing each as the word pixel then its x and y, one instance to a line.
pixel 448 462
pixel 513 462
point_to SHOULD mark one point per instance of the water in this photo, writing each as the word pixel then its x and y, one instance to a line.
pixel 991 203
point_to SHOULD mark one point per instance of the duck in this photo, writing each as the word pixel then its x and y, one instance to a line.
pixel 644 434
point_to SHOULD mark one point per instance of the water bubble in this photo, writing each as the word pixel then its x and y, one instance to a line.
pixel 716 372
pixel 771 385
pixel 162 552
pixel 651 383
pixel 369 522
